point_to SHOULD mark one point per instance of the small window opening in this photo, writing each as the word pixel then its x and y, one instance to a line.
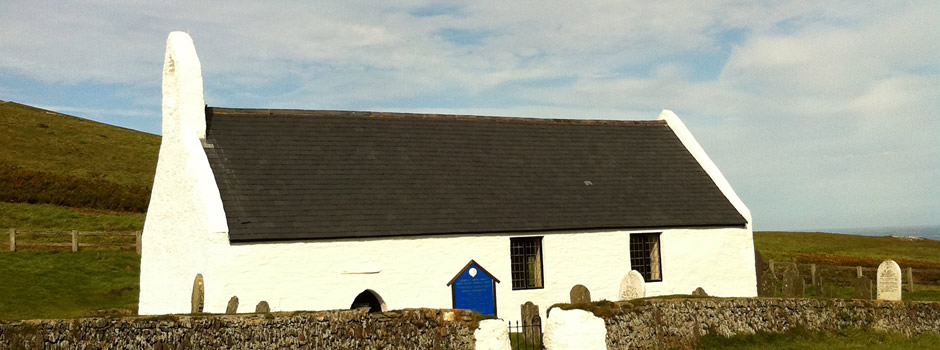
pixel 645 257
pixel 526 259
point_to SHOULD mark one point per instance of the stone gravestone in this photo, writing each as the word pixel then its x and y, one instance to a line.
pixel 759 267
pixel 580 294
pixel 699 292
pixel 531 321
pixel 909 276
pixel 769 286
pixel 819 286
pixel 863 288
pixel 812 273
pixel 632 286
pixel 199 294
pixel 232 307
pixel 889 281
pixel 262 307
pixel 792 282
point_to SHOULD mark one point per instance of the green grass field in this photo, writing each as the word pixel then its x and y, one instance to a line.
pixel 41 140
pixel 66 285
pixel 48 157
pixel 848 250
pixel 51 218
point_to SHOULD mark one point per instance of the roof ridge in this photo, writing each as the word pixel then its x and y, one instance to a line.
pixel 272 112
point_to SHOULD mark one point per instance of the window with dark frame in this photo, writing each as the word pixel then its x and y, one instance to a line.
pixel 644 255
pixel 526 256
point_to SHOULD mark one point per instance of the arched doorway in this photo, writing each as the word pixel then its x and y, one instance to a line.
pixel 369 298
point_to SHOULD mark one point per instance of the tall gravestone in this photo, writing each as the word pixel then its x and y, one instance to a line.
pixel 199 294
pixel 812 273
pixel 863 288
pixel 759 268
pixel 531 321
pixel 821 288
pixel 580 294
pixel 232 306
pixel 792 282
pixel 632 286
pixel 909 276
pixel 889 281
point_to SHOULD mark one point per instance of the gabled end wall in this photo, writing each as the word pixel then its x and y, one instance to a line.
pixel 744 253
pixel 185 206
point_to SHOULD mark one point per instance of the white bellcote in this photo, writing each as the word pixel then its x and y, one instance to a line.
pixel 184 113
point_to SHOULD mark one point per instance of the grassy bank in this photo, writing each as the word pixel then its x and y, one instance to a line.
pixel 45 141
pixel 51 218
pixel 66 285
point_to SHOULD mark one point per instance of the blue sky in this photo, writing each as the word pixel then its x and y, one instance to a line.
pixel 820 114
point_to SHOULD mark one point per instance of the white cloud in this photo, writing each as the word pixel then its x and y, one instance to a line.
pixel 821 110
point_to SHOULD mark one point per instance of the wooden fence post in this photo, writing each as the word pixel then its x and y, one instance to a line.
pixel 12 239
pixel 858 272
pixel 139 232
pixel 74 240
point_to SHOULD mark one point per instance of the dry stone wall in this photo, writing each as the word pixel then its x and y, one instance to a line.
pixel 681 323
pixel 348 329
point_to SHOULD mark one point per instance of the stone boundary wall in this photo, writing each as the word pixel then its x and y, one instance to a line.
pixel 680 323
pixel 346 329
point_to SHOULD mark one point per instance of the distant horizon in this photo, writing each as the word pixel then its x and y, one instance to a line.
pixel 922 231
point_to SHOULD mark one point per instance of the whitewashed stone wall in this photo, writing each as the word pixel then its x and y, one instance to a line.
pixel 185 204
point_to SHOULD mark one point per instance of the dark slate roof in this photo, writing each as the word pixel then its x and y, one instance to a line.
pixel 299 175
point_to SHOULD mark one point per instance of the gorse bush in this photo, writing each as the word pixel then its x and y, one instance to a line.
pixel 18 185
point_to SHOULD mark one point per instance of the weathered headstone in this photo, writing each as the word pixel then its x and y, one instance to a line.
pixel 812 273
pixel 909 276
pixel 819 286
pixel 699 292
pixel 858 271
pixel 232 307
pixel 531 321
pixel 580 294
pixel 769 286
pixel 823 289
pixel 770 265
pixel 632 286
pixel 792 282
pixel 889 281
pixel 262 307
pixel 863 288
pixel 759 267
pixel 199 294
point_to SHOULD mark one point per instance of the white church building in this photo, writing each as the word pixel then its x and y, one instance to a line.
pixel 317 210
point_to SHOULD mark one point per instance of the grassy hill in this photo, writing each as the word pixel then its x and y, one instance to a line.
pixel 40 140
pixel 60 172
